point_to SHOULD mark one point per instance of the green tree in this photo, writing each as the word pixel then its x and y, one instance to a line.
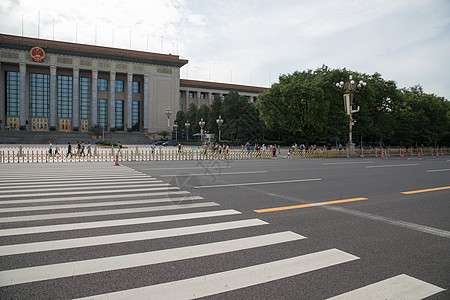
pixel 296 104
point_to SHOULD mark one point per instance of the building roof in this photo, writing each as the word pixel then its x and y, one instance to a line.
pixel 83 50
pixel 186 83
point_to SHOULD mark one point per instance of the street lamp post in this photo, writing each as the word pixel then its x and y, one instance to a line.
pixel 201 124
pixel 168 114
pixel 350 88
pixel 187 125
pixel 175 126
pixel 219 122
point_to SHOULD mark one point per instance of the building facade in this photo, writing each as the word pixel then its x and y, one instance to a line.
pixel 59 86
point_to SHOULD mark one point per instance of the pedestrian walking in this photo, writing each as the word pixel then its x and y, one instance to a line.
pixel 69 150
pixel 82 148
pixel 89 153
pixel 78 148
pixel 50 146
pixel 56 149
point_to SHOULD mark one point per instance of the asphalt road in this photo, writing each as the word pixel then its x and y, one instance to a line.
pixel 303 229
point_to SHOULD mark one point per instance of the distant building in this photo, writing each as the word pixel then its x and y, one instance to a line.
pixel 51 85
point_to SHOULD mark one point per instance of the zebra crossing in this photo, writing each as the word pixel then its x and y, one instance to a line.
pixel 97 231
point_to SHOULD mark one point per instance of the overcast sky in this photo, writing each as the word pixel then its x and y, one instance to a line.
pixel 252 42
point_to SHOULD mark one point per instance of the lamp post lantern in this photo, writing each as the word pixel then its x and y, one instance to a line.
pixel 168 114
pixel 187 125
pixel 219 122
pixel 201 124
pixel 175 126
pixel 350 88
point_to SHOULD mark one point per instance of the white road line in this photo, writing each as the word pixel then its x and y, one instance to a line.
pixel 98 187
pixel 349 162
pixel 214 174
pixel 257 183
pixel 95 197
pixel 216 283
pixel 189 168
pixel 109 191
pixel 97 204
pixel 76 183
pixel 438 170
pixel 113 223
pixel 105 212
pixel 69 269
pixel 412 226
pixel 20 180
pixel 399 287
pixel 126 237
pixel 388 166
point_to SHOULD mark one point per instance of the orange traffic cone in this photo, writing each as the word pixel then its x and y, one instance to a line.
pixel 418 155
pixel 117 161
pixel 403 154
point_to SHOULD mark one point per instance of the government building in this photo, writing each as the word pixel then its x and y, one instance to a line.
pixel 58 86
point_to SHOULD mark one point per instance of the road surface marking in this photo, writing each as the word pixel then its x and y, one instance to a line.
pixel 109 191
pixel 399 287
pixel 96 197
pixel 216 283
pixel 69 269
pixel 349 162
pixel 214 174
pixel 427 190
pixel 388 166
pixel 256 183
pixel 98 204
pixel 308 205
pixel 105 212
pixel 74 183
pixel 438 170
pixel 119 222
pixel 125 237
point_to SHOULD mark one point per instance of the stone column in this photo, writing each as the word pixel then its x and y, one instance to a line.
pixel 22 94
pixel 53 97
pixel 198 99
pixel 112 100
pixel 146 91
pixel 94 97
pixel 209 98
pixel 129 101
pixel 76 98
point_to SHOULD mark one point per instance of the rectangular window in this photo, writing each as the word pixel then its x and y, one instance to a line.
pixel 85 98
pixel 136 87
pixel 135 115
pixel 102 113
pixel 102 85
pixel 202 95
pixel 119 114
pixel 181 94
pixel 191 95
pixel 119 86
pixel 12 94
pixel 64 97
pixel 39 95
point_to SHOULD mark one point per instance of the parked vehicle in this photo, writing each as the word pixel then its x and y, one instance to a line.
pixel 170 143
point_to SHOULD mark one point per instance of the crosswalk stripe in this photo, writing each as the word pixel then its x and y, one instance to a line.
pixel 34 177
pixel 399 287
pixel 105 212
pixel 20 181
pixel 71 183
pixel 113 223
pixel 216 283
pixel 97 187
pixel 61 270
pixel 167 187
pixel 175 191
pixel 97 204
pixel 125 237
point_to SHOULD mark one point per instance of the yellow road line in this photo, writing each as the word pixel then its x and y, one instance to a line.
pixel 308 205
pixel 427 190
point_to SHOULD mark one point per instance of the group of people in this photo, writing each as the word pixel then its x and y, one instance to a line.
pixel 53 150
